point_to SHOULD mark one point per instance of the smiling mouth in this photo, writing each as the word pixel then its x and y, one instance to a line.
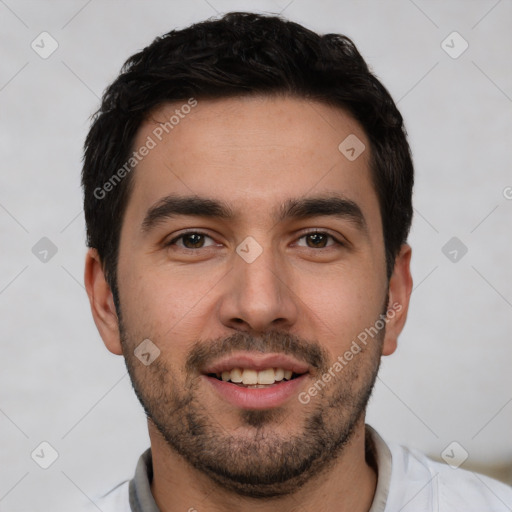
pixel 250 378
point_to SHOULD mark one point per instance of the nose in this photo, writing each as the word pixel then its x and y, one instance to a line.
pixel 258 295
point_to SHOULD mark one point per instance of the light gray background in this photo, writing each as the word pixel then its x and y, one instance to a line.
pixel 450 379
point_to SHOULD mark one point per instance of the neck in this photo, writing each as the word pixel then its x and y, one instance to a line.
pixel 346 485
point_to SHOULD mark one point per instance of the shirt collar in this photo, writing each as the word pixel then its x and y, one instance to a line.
pixel 141 498
pixel 378 451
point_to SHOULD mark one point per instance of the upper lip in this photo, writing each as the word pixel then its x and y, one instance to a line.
pixel 258 362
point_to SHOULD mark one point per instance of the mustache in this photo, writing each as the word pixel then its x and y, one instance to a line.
pixel 204 352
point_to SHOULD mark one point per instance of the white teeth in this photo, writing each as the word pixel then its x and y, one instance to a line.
pixel 266 376
pixel 279 374
pixel 255 378
pixel 249 377
pixel 235 375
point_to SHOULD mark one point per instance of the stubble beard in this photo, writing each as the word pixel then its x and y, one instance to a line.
pixel 256 461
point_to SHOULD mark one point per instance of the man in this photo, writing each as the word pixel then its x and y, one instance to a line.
pixel 248 190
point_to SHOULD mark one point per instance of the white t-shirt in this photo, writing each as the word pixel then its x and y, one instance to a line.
pixel 407 482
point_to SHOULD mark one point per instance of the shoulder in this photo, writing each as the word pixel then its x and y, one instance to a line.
pixel 447 488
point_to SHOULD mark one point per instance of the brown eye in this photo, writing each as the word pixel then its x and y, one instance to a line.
pixel 319 240
pixel 192 240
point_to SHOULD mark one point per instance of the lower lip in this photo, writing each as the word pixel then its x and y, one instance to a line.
pixel 257 398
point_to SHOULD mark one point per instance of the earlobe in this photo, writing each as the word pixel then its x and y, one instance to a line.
pixel 102 303
pixel 400 288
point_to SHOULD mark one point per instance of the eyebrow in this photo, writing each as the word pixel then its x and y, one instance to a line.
pixel 301 208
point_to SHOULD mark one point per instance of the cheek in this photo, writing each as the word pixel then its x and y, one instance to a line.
pixel 166 307
pixel 340 305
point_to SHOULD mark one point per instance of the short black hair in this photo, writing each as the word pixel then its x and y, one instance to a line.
pixel 241 54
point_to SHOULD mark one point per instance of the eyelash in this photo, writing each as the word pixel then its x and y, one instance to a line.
pixel 317 232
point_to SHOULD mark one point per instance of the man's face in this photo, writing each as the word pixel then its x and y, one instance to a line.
pixel 256 290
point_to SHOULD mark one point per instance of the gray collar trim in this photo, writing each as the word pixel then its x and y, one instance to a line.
pixel 141 499
pixel 382 457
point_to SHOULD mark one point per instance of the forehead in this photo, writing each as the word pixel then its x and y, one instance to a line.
pixel 253 153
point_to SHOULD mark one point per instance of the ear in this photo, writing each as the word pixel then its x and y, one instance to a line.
pixel 102 302
pixel 400 288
